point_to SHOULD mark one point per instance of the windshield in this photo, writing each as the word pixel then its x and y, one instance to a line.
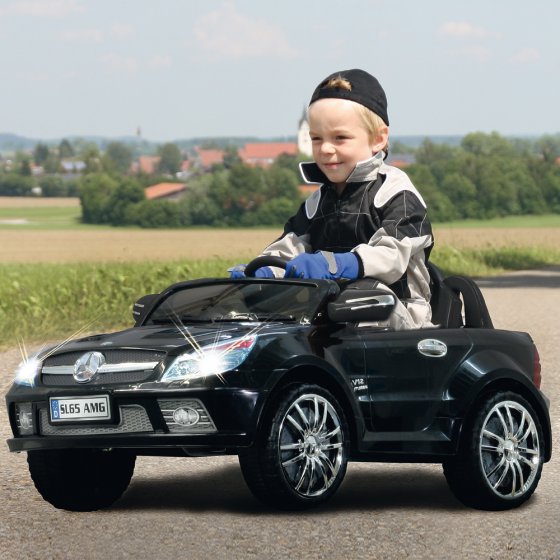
pixel 251 301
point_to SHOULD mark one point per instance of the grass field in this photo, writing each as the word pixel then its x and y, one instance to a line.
pixel 59 277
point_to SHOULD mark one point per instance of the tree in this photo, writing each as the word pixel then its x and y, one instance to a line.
pixel 127 192
pixel 530 196
pixel 548 147
pixel 483 144
pixel 231 157
pixel 429 153
pixel 25 168
pixel 95 192
pixel 52 186
pixel 197 207
pixel 92 159
pixel 12 184
pixel 439 206
pixel 52 164
pixel 171 159
pixel 550 185
pixel 153 214
pixel 118 157
pixel 273 212
pixel 41 153
pixel 281 182
pixel 65 149
pixel 462 193
pixel 496 192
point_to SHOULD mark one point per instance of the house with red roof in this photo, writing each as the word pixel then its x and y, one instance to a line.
pixel 264 153
pixel 207 158
pixel 165 191
pixel 146 165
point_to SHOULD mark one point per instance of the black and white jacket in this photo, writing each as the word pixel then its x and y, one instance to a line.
pixel 381 217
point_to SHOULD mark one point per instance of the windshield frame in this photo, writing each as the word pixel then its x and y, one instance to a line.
pixel 325 290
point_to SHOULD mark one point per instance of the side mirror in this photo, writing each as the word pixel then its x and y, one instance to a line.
pixel 141 308
pixel 353 306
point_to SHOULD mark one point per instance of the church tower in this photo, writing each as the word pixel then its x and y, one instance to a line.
pixel 304 140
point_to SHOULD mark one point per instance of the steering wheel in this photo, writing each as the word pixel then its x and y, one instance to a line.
pixel 266 260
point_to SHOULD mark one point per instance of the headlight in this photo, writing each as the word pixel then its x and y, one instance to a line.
pixel 27 372
pixel 210 360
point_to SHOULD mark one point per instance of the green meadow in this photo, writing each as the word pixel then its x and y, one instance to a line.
pixel 49 301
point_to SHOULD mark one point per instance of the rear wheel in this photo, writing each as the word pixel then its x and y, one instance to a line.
pixel 81 479
pixel 302 452
pixel 501 455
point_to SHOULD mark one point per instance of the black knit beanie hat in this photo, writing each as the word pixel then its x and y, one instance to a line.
pixel 366 91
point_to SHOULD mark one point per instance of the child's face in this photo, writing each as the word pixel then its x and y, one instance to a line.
pixel 339 138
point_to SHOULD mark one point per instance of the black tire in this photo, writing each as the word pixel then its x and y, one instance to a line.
pixel 81 479
pixel 501 455
pixel 301 453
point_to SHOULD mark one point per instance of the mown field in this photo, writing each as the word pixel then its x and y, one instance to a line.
pixel 59 277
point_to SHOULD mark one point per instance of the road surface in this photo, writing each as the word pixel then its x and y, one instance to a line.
pixel 201 508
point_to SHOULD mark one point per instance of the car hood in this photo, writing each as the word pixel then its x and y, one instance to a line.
pixel 169 338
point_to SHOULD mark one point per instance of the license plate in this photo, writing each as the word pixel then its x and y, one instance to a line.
pixel 64 409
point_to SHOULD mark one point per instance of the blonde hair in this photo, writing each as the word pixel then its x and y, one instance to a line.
pixel 373 123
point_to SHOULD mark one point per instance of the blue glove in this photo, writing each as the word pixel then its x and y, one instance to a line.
pixel 323 265
pixel 264 272
pixel 238 271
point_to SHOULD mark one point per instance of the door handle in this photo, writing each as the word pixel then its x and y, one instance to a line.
pixel 432 348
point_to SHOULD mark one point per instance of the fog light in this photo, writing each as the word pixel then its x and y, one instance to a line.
pixel 186 416
pixel 24 419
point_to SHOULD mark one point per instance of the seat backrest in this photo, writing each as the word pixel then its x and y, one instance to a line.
pixel 476 311
pixel 446 304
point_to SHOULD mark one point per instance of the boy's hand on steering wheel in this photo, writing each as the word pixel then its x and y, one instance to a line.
pixel 323 265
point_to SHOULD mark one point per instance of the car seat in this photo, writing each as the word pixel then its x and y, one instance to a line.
pixel 450 295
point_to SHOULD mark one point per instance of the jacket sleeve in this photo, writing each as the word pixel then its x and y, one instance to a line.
pixel 405 236
pixel 293 241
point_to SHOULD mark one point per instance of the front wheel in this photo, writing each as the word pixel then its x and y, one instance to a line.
pixel 300 458
pixel 81 479
pixel 501 455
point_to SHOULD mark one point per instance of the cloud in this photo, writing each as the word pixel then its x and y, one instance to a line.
pixel 160 61
pixel 525 56
pixel 35 78
pixel 122 31
pixel 120 64
pixel 466 30
pixel 95 35
pixel 54 9
pixel 226 33
pixel 477 52
pixel 85 35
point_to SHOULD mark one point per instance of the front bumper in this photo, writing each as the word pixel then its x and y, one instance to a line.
pixel 143 421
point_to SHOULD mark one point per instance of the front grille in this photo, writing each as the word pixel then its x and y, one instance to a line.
pixel 117 356
pixel 134 419
pixel 61 380
pixel 130 366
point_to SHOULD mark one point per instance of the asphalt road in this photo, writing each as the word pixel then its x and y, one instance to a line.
pixel 201 508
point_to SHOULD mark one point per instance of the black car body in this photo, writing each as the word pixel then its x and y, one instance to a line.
pixel 296 377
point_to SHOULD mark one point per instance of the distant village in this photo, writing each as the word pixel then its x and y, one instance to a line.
pixel 196 161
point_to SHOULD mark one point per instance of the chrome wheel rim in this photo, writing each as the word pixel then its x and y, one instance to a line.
pixel 311 445
pixel 509 450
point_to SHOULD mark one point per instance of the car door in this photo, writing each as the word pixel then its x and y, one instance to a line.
pixel 407 372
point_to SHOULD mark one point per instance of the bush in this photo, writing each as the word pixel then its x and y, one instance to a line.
pixel 153 214
pixel 16 185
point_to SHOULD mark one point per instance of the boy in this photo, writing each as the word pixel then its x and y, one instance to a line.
pixel 367 219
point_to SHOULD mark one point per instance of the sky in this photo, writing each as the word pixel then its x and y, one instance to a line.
pixel 178 69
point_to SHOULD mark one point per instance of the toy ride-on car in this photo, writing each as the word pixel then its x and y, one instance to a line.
pixel 297 378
